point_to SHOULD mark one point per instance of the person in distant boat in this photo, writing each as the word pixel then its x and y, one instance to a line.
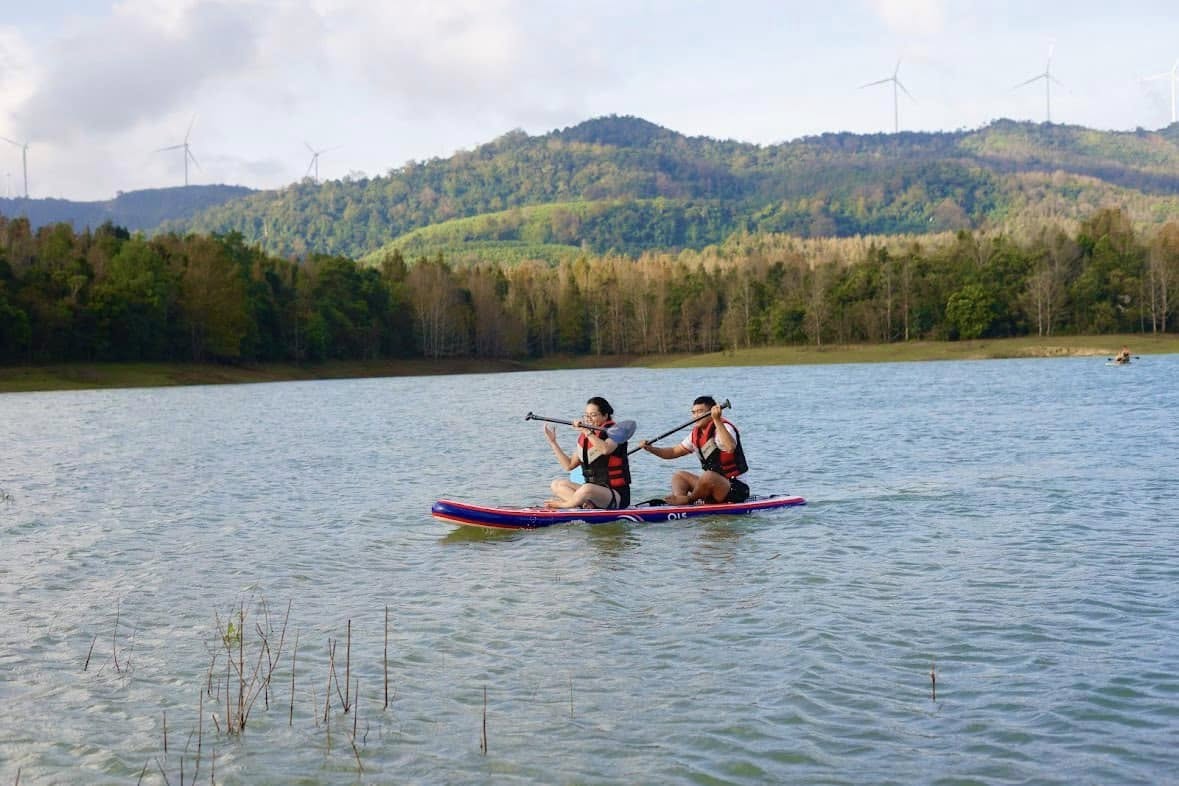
pixel 601 454
pixel 717 443
pixel 1123 356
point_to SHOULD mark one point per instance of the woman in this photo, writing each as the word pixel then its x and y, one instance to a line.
pixel 601 454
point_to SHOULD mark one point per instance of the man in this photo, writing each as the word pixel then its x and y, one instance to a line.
pixel 717 444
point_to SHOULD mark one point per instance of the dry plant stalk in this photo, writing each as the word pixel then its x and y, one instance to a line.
pixel 294 651
pixel 253 680
pixel 483 738
pixel 86 665
pixel 386 656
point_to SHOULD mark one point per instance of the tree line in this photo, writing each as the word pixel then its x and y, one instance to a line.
pixel 107 295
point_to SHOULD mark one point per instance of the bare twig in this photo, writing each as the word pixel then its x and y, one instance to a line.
pixel 331 670
pixel 356 715
pixel 348 668
pixel 200 731
pixel 386 656
pixel 162 772
pixel 115 638
pixel 241 660
pixel 343 701
pixel 291 717
pixel 483 738
pixel 86 665
pixel 209 676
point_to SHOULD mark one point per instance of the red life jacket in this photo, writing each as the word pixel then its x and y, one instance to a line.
pixel 712 458
pixel 606 469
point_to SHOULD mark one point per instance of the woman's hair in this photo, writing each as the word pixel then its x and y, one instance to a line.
pixel 708 401
pixel 602 404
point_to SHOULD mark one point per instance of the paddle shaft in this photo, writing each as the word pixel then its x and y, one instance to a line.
pixel 669 432
pixel 625 428
pixel 530 416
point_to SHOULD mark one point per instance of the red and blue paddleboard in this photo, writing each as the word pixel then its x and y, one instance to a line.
pixel 492 517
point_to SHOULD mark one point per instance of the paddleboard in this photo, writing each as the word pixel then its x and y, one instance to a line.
pixel 492 517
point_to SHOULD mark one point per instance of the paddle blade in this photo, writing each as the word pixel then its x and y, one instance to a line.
pixel 623 430
pixel 575 475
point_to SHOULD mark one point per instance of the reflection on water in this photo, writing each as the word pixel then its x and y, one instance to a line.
pixel 980 519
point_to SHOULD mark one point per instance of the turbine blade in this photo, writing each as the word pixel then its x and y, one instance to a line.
pixel 190 125
pixel 906 92
pixel 1035 78
pixel 191 156
pixel 308 172
pixel 309 147
pixel 877 82
pixel 10 141
pixel 170 147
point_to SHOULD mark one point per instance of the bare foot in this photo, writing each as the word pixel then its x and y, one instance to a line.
pixel 676 499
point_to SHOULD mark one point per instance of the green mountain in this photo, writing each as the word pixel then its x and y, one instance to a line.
pixel 622 184
pixel 627 185
pixel 134 210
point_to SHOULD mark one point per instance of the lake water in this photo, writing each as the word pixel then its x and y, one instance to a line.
pixel 1009 526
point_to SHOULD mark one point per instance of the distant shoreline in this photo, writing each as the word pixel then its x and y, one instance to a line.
pixel 94 376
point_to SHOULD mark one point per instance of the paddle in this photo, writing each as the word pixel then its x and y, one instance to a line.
pixel 625 428
pixel 697 419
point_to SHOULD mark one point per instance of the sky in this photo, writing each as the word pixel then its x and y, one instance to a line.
pixel 97 89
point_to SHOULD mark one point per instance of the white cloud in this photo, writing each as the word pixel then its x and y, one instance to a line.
pixel 17 77
pixel 126 69
pixel 912 17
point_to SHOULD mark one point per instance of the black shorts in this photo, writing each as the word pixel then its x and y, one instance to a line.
pixel 738 491
pixel 619 498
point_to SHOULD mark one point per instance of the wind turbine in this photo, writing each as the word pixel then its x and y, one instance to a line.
pixel 187 153
pixel 1173 75
pixel 315 159
pixel 896 83
pixel 1048 80
pixel 24 160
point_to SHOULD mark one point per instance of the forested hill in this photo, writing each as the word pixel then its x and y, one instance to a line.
pixel 142 210
pixel 624 184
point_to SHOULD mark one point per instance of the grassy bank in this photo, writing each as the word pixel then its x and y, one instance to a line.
pixel 80 376
pixel 982 349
